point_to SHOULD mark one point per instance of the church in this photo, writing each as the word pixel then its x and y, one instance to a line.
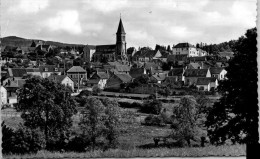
pixel 108 53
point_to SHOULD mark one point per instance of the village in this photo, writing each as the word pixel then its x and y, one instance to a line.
pixel 113 68
pixel 128 79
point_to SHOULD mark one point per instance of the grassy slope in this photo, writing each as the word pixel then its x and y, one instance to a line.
pixel 136 140
pixel 221 151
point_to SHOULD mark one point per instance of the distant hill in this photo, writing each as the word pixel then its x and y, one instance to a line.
pixel 18 41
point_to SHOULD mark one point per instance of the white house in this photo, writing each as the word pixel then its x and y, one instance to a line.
pixel 63 79
pixel 187 49
pixel 98 79
pixel 47 70
pixel 3 95
pixel 219 73
pixel 207 83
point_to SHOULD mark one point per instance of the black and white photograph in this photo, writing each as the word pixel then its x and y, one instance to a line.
pixel 128 78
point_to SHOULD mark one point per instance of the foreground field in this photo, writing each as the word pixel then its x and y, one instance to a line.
pixel 135 140
pixel 220 151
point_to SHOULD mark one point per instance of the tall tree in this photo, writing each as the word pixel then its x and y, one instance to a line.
pixel 187 121
pixel 235 116
pixel 46 105
pixel 100 118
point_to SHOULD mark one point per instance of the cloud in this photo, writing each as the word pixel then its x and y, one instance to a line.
pixel 65 21
pixel 30 6
pixel 140 38
pixel 244 13
pixel 105 5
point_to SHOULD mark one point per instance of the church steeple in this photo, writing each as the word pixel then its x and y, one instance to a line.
pixel 120 29
pixel 120 42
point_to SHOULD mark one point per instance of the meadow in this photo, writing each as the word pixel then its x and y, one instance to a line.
pixel 135 140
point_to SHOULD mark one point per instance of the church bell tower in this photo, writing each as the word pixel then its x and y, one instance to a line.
pixel 121 43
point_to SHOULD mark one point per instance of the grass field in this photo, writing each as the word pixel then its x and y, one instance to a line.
pixel 220 151
pixel 136 140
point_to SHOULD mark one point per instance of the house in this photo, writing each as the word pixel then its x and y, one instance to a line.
pixel 194 65
pixel 198 59
pixel 47 70
pixel 177 74
pixel 202 52
pixel 62 79
pixel 88 52
pixel 98 79
pixel 137 72
pixel 146 55
pixel 158 78
pixel 77 74
pixel 226 55
pixel 191 75
pixel 177 58
pixel 116 80
pixel 152 68
pixel 162 55
pixel 12 86
pixel 207 83
pixel 44 48
pixel 219 73
pixel 121 69
pixel 3 96
pixel 187 49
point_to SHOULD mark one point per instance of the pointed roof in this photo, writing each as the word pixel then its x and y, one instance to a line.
pixel 120 27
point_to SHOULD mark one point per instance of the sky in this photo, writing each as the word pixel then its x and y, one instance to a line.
pixel 146 22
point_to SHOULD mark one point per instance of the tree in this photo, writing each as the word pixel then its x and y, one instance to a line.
pixel 99 119
pixel 153 106
pixel 187 121
pixel 112 121
pixel 235 116
pixel 48 106
pixel 92 120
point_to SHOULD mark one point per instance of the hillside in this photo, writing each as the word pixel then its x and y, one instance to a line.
pixel 18 41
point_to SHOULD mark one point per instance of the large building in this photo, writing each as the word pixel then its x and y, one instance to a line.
pixel 104 53
pixel 188 50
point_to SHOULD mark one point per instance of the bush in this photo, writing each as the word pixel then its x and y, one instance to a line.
pixel 78 144
pixel 130 105
pixel 84 93
pixel 182 93
pixel 152 107
pixel 166 116
pixel 154 120
pixel 23 140
pixel 96 90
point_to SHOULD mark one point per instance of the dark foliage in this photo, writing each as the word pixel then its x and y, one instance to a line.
pixel 21 141
pixel 48 106
pixel 235 116
pixel 154 120
pixel 130 105
pixel 151 107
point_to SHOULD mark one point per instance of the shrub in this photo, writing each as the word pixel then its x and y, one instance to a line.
pixel 166 116
pixel 154 120
pixel 23 140
pixel 84 93
pixel 130 105
pixel 152 107
pixel 182 93
pixel 78 143
pixel 96 90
